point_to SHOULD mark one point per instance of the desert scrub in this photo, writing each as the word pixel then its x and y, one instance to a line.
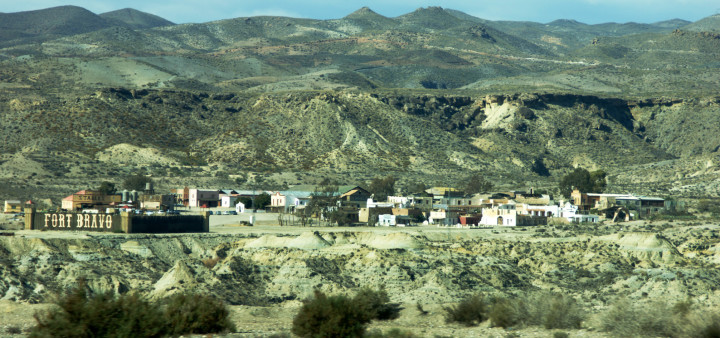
pixel 550 310
pixel 341 316
pixel 82 314
pixel 659 319
pixel 376 304
pixel 193 314
pixel 470 311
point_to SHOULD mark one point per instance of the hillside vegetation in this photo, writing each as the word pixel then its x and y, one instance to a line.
pixel 432 96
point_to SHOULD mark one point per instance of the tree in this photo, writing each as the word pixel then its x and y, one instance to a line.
pixel 382 187
pixel 477 184
pixel 583 180
pixel 136 182
pixel 261 201
pixel 246 201
pixel 107 188
pixel 538 167
pixel 416 188
pixel 323 199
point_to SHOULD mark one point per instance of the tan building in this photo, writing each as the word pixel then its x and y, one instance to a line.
pixel 182 196
pixel 13 206
pixel 89 199
pixel 508 215
pixel 157 202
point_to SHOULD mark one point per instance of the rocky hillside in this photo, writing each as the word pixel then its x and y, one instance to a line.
pixel 279 269
pixel 432 95
pixel 435 138
pixel 135 19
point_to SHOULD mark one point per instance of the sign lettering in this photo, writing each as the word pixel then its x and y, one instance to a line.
pixel 81 221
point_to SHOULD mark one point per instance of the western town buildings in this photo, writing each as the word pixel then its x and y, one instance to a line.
pixel 354 205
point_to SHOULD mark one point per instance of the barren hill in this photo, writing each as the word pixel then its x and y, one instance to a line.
pixel 135 19
pixel 45 24
pixel 431 95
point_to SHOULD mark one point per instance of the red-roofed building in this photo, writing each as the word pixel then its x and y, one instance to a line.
pixel 89 199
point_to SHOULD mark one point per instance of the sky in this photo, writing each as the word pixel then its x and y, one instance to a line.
pixel 587 11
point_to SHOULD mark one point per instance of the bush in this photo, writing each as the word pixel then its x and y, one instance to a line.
pixel 559 312
pixel 656 319
pixel 553 311
pixel 81 314
pixel 375 304
pixel 630 319
pixel 507 313
pixel 194 313
pixel 340 316
pixel 329 316
pixel 471 311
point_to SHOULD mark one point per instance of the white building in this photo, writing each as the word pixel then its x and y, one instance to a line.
pixel 393 220
pixel 508 215
pixel 289 201
pixel 571 213
pixel 203 198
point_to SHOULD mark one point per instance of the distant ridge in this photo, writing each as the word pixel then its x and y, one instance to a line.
pixel 49 23
pixel 674 23
pixel 370 19
pixel 135 19
pixel 708 24
pixel 431 17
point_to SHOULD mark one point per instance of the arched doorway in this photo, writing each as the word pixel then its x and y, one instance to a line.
pixel 500 220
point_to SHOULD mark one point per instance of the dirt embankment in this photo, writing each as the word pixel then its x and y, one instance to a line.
pixel 275 269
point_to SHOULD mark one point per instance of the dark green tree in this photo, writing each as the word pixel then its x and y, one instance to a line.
pixel 324 199
pixel 477 184
pixel 107 188
pixel 538 167
pixel 136 182
pixel 262 200
pixel 583 180
pixel 416 188
pixel 382 187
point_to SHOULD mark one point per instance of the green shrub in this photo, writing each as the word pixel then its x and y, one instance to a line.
pixel 631 319
pixel 82 314
pixel 471 311
pixel 192 313
pixel 559 312
pixel 375 304
pixel 507 313
pixel 330 316
pixel 553 311
pixel 13 330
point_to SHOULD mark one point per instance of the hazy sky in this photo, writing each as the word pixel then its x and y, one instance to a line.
pixel 587 11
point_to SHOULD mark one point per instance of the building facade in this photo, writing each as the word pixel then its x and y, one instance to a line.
pixel 89 199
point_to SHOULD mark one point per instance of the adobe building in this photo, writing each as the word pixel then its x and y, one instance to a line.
pixel 12 207
pixel 157 202
pixel 203 198
pixel 90 199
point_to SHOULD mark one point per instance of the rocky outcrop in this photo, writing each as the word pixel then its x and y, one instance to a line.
pixel 429 266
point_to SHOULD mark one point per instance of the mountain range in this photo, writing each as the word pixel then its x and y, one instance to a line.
pixel 433 95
